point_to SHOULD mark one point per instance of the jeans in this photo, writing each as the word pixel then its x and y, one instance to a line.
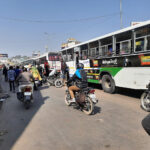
pixel 12 85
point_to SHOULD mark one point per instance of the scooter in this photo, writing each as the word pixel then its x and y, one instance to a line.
pixel 25 95
pixel 145 99
pixel 85 99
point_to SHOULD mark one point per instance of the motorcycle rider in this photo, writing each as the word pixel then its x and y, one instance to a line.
pixel 40 69
pixel 25 78
pixel 80 80
pixel 36 75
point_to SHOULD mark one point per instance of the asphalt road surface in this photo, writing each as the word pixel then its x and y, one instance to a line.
pixel 51 125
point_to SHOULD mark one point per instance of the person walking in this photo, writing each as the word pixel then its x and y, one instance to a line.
pixel 5 72
pixel 64 71
pixel 11 78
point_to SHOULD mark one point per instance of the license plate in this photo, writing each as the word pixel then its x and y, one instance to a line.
pixel 36 82
pixel 27 93
pixel 93 97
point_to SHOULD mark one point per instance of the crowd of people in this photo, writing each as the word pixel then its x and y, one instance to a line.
pixel 12 73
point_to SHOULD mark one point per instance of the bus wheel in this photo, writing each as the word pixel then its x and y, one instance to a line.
pixel 108 84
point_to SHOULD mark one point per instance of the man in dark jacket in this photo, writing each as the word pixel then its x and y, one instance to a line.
pixel 46 66
pixel 5 72
pixel 11 78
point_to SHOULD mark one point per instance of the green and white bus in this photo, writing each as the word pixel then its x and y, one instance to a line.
pixel 118 59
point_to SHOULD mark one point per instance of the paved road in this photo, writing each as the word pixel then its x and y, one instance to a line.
pixel 51 125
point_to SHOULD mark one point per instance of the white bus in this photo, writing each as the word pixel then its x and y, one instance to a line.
pixel 27 62
pixel 53 59
pixel 118 59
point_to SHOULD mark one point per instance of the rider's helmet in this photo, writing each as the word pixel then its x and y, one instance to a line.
pixel 80 66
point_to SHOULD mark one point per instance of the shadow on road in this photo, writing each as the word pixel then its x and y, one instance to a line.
pixel 97 110
pixel 44 87
pixel 14 118
pixel 122 91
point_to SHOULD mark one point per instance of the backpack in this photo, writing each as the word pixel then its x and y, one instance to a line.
pixel 82 83
pixel 83 75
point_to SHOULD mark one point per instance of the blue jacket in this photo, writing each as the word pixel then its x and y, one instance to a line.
pixel 11 75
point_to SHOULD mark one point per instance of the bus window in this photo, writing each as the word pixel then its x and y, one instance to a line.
pixel 97 51
pixel 110 50
pixel 100 51
pixel 148 43
pixel 117 48
pixel 106 46
pixel 125 47
pixel 69 54
pixel 84 55
pixel 84 52
pixel 139 45
pixel 64 56
pixel 143 31
pixel 123 43
pixel 104 50
pixel 142 39
pixel 94 48
pixel 92 52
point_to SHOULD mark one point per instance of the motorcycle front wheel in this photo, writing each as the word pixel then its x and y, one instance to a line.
pixel 145 101
pixel 58 83
pixel 88 106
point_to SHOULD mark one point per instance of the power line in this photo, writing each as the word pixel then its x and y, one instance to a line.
pixel 58 21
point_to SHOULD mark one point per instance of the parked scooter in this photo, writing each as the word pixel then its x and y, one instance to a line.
pixel 85 99
pixel 55 80
pixel 25 95
pixel 145 99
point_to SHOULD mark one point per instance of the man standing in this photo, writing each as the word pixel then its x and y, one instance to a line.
pixel 5 73
pixel 46 66
pixel 11 78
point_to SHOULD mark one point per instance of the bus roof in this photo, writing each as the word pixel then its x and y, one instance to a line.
pixel 110 34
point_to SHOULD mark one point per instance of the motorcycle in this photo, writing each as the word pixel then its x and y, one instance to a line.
pixel 25 95
pixel 55 80
pixel 145 99
pixel 85 99
pixel 36 83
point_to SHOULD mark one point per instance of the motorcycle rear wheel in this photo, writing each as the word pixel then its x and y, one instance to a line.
pixel 27 105
pixel 145 102
pixel 89 106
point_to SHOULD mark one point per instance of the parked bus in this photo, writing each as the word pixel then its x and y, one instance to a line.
pixel 53 59
pixel 118 59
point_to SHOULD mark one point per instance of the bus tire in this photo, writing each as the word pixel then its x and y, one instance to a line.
pixel 108 84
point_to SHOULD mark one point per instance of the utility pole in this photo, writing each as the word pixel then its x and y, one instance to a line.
pixel 121 25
